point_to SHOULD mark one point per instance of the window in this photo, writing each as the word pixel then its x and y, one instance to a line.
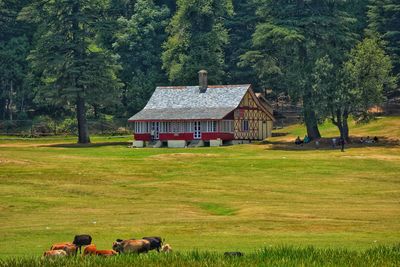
pixel 197 130
pixel 174 127
pixel 211 126
pixel 141 127
pixel 245 125
pixel 188 127
pixel 226 126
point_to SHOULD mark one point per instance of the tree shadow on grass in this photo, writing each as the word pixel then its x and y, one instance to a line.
pixel 326 144
pixel 100 144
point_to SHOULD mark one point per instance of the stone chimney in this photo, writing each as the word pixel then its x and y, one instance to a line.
pixel 203 81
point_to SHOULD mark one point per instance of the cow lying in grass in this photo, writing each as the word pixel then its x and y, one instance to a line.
pixel 69 248
pixel 106 252
pixel 131 246
pixel 92 250
pixel 54 253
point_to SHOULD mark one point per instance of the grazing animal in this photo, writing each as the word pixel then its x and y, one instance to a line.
pixel 90 250
pixel 82 240
pixel 155 242
pixel 60 245
pixel 69 248
pixel 54 253
pixel 132 246
pixel 166 248
pixel 233 254
pixel 106 253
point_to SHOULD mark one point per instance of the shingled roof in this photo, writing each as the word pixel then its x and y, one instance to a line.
pixel 187 103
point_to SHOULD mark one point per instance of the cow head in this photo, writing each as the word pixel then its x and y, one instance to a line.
pixel 117 246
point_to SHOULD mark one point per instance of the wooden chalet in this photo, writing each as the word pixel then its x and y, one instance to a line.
pixel 180 116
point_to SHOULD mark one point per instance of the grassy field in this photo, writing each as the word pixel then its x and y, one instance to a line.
pixel 211 199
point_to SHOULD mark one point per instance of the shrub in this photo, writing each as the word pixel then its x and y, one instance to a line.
pixel 68 126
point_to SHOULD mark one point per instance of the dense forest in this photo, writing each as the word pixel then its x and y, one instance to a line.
pixel 90 58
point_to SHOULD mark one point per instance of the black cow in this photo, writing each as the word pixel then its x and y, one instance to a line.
pixel 82 240
pixel 233 254
pixel 155 242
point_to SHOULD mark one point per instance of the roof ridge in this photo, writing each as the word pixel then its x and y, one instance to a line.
pixel 209 86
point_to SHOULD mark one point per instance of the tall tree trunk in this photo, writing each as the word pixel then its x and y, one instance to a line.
pixel 3 103
pixel 83 132
pixel 345 127
pixel 78 52
pixel 310 119
pixel 10 103
pixel 96 113
pixel 22 107
pixel 341 123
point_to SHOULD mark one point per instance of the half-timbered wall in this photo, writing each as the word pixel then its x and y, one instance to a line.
pixel 250 122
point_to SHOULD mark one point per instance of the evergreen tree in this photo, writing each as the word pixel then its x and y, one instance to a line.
pixel 171 4
pixel 289 40
pixel 384 21
pixel 139 44
pixel 108 24
pixel 13 70
pixel 10 27
pixel 240 26
pixel 14 46
pixel 197 38
pixel 357 9
pixel 70 65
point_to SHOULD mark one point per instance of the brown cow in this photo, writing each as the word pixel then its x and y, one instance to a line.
pixel 54 253
pixel 90 250
pixel 71 250
pixel 132 246
pixel 106 252
pixel 59 246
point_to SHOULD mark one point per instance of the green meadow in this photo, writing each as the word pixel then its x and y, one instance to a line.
pixel 237 198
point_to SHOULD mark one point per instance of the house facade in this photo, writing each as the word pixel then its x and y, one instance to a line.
pixel 180 116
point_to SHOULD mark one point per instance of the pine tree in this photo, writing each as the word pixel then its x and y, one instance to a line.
pixel 12 76
pixel 240 26
pixel 72 67
pixel 289 40
pixel 357 9
pixel 384 21
pixel 197 38
pixel 171 4
pixel 139 44
pixel 14 46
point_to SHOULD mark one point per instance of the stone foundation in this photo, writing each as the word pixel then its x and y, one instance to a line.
pixel 176 143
